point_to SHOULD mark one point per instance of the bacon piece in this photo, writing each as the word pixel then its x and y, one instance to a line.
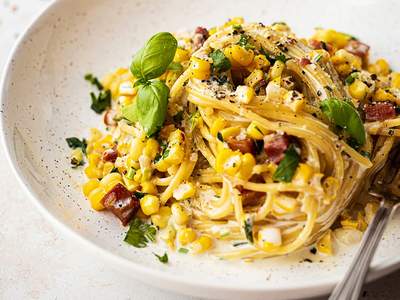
pixel 122 203
pixel 200 36
pixel 251 197
pixel 108 118
pixel 245 146
pixel 276 146
pixel 357 48
pixel 304 62
pixel 110 155
pixel 379 111
pixel 315 44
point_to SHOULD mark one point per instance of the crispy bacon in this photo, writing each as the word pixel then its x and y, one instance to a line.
pixel 122 203
pixel 304 62
pixel 379 111
pixel 251 197
pixel 110 155
pixel 200 36
pixel 357 48
pixel 315 44
pixel 245 146
pixel 275 147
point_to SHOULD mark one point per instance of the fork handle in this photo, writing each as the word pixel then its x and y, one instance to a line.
pixel 350 287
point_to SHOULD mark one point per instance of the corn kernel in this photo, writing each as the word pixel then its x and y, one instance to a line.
pixel 184 191
pixel 180 216
pixel 137 147
pixel 228 162
pixel 181 55
pixel 230 131
pixel 151 148
pixel 256 131
pixel 95 198
pixel 261 62
pixel 112 177
pixel 217 125
pixel 345 62
pixel 247 165
pixel 94 135
pixel 324 245
pixel 77 157
pixel 89 186
pixel 254 78
pixel 294 100
pixel 381 67
pixel 200 69
pixel 161 166
pixel 107 168
pixel 395 80
pixel 168 235
pixel 234 21
pixel 270 237
pixel 161 218
pixel 245 93
pixel 130 184
pixel 303 174
pixel 94 158
pixel 186 236
pixel 150 204
pixel 337 39
pixel 93 172
pixel 382 95
pixel 201 245
pixel 149 188
pixel 358 89
pixel 277 69
pixel 241 55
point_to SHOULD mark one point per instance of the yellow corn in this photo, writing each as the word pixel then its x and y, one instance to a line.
pixel 382 95
pixel 181 55
pixel 130 185
pixel 89 186
pixel 201 245
pixel 200 69
pixel 184 191
pixel 168 235
pixel 94 135
pixel 161 218
pixel 287 204
pixel 277 69
pixel 234 21
pixel 162 165
pixel 255 77
pixel 294 100
pixel 358 89
pixel 247 165
pixel 104 143
pixel 245 93
pixel 380 67
pixel 76 157
pixel 150 204
pixel 107 168
pixel 95 198
pixel 93 172
pixel 303 174
pixel 123 148
pixel 337 39
pixel 280 27
pixel 94 158
pixel 179 214
pixel 256 131
pixel 112 177
pixel 324 245
pixel 217 125
pixel 271 238
pixel 230 131
pixel 186 236
pixel 241 55
pixel 395 81
pixel 228 161
pixel 345 62
pixel 149 188
pixel 137 147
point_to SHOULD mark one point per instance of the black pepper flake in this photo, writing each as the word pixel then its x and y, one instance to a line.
pixel 319 93
pixel 328 88
pixel 302 72
pixel 374 77
pixel 308 260
pixel 313 250
pixel 391 132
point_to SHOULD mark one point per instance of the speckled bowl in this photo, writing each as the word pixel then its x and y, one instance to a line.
pixel 45 99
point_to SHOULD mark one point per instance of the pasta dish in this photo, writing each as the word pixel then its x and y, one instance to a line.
pixel 241 140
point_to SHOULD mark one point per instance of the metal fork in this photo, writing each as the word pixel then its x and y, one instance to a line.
pixel 385 186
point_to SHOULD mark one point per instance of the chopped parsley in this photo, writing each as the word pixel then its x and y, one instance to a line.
pixel 248 229
pixel 140 233
pixel 239 244
pixel 244 42
pixel 220 62
pixel 178 117
pixel 94 81
pixel 163 259
pixel 131 173
pixel 74 142
pixel 183 250
pixel 139 195
pixel 194 120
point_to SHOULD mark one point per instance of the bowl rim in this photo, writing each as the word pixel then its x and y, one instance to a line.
pixel 164 280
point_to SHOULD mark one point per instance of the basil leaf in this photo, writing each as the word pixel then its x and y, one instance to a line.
pixel 101 102
pixel 150 107
pixel 154 58
pixel 248 229
pixel 163 259
pixel 344 115
pixel 94 81
pixel 175 67
pixel 140 234
pixel 287 167
pixel 220 62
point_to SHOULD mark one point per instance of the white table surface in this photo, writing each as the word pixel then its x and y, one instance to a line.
pixel 36 261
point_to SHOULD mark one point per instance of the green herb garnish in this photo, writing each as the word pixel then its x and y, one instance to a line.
pixel 74 142
pixel 350 79
pixel 281 57
pixel 140 233
pixel 239 244
pixel 220 62
pixel 344 115
pixel 287 167
pixel 248 229
pixel 237 27
pixel 139 195
pixel 244 41
pixel 175 67
pixel 101 102
pixel 183 250
pixel 194 120
pixel 93 80
pixel 131 173
pixel 163 259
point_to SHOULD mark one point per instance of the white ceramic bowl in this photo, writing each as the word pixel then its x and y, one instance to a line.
pixel 45 100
